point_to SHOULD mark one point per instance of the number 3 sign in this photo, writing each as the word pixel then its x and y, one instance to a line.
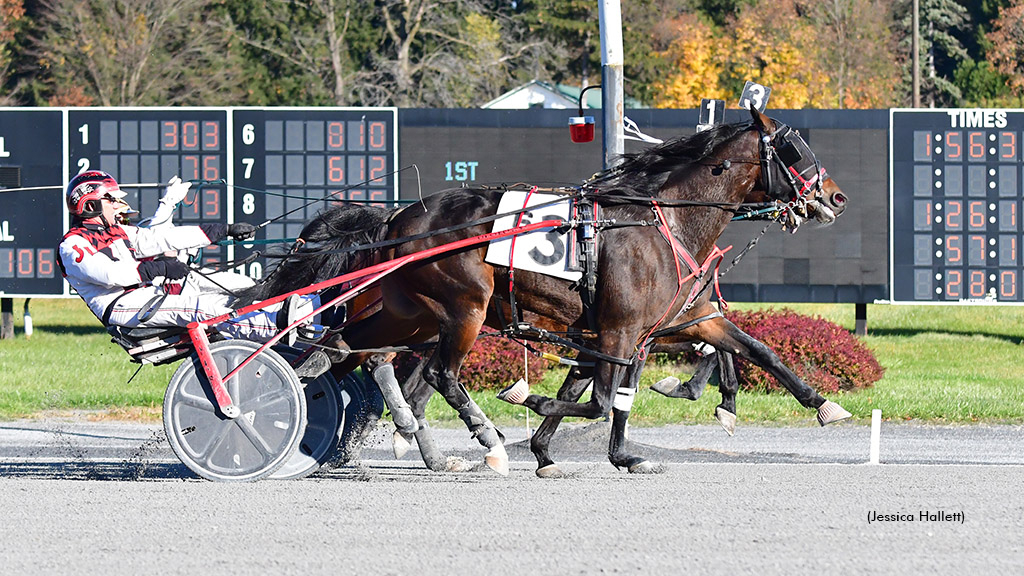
pixel 543 251
pixel 756 95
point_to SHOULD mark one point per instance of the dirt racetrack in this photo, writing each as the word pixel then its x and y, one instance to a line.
pixel 83 498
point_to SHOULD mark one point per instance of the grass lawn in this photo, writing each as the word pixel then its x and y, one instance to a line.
pixel 944 364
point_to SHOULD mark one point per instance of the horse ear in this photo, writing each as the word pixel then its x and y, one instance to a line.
pixel 760 120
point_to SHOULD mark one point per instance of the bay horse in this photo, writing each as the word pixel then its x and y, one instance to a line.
pixel 700 324
pixel 672 200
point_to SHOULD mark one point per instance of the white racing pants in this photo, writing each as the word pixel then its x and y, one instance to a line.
pixel 199 300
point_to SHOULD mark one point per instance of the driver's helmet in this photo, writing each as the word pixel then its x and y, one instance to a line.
pixel 83 193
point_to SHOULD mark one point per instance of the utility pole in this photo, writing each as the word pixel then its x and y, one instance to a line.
pixel 915 48
pixel 611 81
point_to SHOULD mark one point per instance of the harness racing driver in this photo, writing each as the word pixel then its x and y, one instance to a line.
pixel 121 272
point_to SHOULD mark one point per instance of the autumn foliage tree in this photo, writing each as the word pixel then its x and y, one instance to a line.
pixel 696 63
pixel 813 55
pixel 134 53
pixel 462 53
pixel 1007 51
pixel 11 14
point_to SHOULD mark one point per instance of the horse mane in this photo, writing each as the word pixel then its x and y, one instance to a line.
pixel 644 173
pixel 336 228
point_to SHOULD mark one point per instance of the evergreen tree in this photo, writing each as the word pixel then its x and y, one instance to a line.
pixel 573 25
pixel 980 83
pixel 942 24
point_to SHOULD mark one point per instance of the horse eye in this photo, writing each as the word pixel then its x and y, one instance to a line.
pixel 789 154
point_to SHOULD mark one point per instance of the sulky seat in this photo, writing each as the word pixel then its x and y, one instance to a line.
pixel 159 345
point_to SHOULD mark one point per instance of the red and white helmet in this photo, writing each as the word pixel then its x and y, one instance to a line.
pixel 83 192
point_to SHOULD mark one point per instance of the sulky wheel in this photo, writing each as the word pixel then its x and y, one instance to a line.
pixel 266 434
pixel 324 417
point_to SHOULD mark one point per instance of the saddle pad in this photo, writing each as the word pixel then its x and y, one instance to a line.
pixel 543 251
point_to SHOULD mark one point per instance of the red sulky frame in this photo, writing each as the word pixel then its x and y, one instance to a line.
pixel 363 279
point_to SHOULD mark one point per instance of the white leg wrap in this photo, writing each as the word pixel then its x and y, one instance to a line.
pixel 703 348
pixel 624 399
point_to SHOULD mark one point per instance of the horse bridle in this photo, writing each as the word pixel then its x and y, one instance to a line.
pixel 786 150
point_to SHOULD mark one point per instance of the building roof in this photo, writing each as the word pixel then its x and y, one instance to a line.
pixel 540 94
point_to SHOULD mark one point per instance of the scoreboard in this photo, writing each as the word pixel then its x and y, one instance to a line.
pixel 941 225
pixel 290 163
pixel 956 179
pixel 31 158
pixel 152 146
pixel 249 164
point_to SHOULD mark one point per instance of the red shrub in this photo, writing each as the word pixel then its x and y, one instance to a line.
pixel 826 356
pixel 492 364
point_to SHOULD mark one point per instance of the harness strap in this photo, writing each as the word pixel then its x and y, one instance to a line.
pixel 511 255
pixel 676 247
pixel 697 273
pixel 685 325
pixel 583 243
pixel 549 337
pixel 110 307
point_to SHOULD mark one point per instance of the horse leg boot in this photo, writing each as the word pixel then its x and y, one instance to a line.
pixel 694 387
pixel 333 351
pixel 487 435
pixel 383 374
pixel 621 406
pixel 418 393
pixel 728 385
pixel 429 451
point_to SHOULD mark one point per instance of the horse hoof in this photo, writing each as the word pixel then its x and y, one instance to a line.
pixel 516 393
pixel 666 386
pixel 726 419
pixel 497 460
pixel 644 467
pixel 550 471
pixel 401 444
pixel 830 412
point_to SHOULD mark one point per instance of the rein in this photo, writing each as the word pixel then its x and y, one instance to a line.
pixel 421 235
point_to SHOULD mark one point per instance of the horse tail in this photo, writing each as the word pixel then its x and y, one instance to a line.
pixel 325 250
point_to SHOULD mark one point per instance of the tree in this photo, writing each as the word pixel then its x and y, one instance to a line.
pixel 720 11
pixel 574 25
pixel 647 35
pixel 855 45
pixel 774 47
pixel 777 48
pixel 134 53
pixel 11 14
pixel 696 62
pixel 940 49
pixel 304 52
pixel 1007 52
pixel 445 53
pixel 432 49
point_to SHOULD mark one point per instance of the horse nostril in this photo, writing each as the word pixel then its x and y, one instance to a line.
pixel 838 199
